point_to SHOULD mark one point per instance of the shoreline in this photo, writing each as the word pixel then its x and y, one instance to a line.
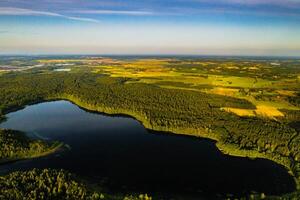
pixel 226 149
pixel 58 147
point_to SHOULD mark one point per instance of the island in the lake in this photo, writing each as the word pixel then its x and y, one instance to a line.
pixel 249 106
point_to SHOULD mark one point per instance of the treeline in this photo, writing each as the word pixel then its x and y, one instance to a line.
pixel 16 145
pixel 47 184
pixel 42 184
pixel 20 90
pixel 184 110
pixel 295 100
pixel 174 110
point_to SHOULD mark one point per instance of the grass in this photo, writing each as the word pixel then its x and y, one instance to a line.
pixel 286 92
pixel 224 91
pixel 240 112
pixel 268 111
pixel 262 111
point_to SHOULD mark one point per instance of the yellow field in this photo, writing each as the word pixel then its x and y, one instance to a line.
pixel 153 69
pixel 286 92
pixel 263 111
pixel 130 71
pixel 268 111
pixel 224 91
pixel 252 68
pixel 240 112
pixel 146 68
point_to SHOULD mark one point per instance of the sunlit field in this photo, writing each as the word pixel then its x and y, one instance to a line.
pixel 261 83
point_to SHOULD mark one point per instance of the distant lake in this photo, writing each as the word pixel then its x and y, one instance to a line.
pixel 122 155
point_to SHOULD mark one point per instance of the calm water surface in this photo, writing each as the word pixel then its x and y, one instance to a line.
pixel 122 155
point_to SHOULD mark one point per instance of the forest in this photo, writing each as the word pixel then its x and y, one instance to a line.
pixel 15 145
pixel 181 111
pixel 52 184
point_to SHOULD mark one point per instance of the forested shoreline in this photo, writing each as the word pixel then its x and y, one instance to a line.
pixel 15 145
pixel 161 109
pixel 38 184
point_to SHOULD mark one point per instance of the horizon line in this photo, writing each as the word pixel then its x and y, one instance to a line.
pixel 142 55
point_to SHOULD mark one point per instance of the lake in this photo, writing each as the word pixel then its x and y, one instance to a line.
pixel 120 154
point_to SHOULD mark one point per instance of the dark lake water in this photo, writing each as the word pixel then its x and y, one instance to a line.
pixel 121 154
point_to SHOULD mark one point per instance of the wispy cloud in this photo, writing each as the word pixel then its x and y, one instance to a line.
pixel 28 12
pixel 115 12
pixel 82 19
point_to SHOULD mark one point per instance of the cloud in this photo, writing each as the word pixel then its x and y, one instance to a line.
pixel 82 19
pixel 28 12
pixel 114 12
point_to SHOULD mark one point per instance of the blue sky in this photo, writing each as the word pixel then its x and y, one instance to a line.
pixel 214 27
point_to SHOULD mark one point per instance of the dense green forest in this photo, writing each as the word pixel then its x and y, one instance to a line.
pixel 42 184
pixel 53 185
pixel 15 145
pixel 178 111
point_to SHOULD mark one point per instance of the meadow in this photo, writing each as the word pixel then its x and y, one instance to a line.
pixel 259 82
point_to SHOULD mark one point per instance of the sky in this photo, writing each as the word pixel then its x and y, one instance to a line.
pixel 183 27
